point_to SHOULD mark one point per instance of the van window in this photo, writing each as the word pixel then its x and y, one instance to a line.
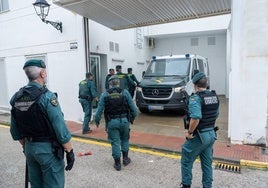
pixel 194 69
pixel 201 65
pixel 168 67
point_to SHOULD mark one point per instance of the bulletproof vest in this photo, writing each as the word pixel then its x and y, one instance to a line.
pixel 210 104
pixel 123 80
pixel 83 88
pixel 115 103
pixel 30 118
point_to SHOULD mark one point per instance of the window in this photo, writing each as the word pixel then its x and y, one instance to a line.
pixel 194 41
pixel 201 65
pixel 116 46
pixel 3 5
pixel 111 46
pixel 211 40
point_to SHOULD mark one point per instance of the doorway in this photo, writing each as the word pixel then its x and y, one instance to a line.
pixel 95 69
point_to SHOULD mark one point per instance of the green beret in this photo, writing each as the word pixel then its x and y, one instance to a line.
pixel 113 77
pixel 35 62
pixel 198 76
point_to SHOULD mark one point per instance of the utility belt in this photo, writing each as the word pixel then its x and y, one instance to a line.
pixel 118 116
pixel 198 131
pixel 38 139
pixel 58 149
pixel 85 97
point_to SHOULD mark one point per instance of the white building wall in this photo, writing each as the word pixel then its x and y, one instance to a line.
pixel 249 68
pixel 25 35
pixel 100 36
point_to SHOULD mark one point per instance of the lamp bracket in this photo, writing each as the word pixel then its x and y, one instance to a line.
pixel 57 25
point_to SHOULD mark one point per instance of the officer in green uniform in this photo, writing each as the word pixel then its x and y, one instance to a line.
pixel 37 123
pixel 125 81
pixel 119 110
pixel 87 92
pixel 203 110
pixel 111 73
pixel 131 87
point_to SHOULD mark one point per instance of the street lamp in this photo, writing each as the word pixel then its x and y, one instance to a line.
pixel 42 8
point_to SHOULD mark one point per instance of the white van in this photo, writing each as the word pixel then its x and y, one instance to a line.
pixel 167 82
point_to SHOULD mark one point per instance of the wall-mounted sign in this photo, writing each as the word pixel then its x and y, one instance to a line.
pixel 73 45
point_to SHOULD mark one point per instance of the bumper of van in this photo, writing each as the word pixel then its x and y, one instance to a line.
pixel 176 102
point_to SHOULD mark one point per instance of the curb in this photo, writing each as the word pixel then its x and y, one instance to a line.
pixel 241 162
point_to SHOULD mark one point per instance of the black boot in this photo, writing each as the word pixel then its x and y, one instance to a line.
pixel 117 164
pixel 126 159
pixel 184 186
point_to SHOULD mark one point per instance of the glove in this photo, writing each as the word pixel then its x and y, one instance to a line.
pixel 70 160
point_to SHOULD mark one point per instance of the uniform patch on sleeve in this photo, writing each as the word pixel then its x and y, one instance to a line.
pixel 54 101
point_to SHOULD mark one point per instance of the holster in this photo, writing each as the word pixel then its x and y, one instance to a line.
pixel 58 150
pixel 130 118
pixel 186 121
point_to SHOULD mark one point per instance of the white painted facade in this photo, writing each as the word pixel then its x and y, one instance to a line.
pixel 248 72
pixel 23 35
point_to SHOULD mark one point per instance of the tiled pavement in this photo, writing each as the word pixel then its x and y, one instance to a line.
pixel 239 154
pixel 246 155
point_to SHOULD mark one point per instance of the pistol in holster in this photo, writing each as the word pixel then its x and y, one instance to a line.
pixel 186 121
pixel 58 150
pixel 130 118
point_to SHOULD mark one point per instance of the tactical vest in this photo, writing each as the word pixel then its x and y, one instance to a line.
pixel 83 88
pixel 30 118
pixel 210 104
pixel 115 104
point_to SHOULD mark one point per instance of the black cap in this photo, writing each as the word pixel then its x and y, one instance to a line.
pixel 118 67
pixel 89 74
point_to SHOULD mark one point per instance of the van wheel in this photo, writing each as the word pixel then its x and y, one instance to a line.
pixel 144 110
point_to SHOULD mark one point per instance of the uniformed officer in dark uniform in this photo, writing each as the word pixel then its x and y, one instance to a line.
pixel 125 81
pixel 111 73
pixel 132 87
pixel 203 110
pixel 37 123
pixel 119 110
pixel 87 92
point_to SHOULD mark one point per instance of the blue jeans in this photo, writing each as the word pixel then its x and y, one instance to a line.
pixel 202 146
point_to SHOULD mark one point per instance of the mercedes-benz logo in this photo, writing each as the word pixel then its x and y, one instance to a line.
pixel 155 92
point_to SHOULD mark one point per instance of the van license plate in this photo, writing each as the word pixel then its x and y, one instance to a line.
pixel 155 107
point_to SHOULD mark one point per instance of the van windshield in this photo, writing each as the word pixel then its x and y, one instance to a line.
pixel 168 67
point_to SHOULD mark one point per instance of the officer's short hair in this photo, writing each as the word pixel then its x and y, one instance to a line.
pixel 129 70
pixel 202 83
pixel 88 74
pixel 114 80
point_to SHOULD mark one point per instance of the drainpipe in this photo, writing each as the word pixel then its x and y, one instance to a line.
pixel 266 149
pixel 87 49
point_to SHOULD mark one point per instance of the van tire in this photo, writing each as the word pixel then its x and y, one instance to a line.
pixel 144 110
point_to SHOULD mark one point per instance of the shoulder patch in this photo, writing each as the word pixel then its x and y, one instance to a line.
pixel 54 101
